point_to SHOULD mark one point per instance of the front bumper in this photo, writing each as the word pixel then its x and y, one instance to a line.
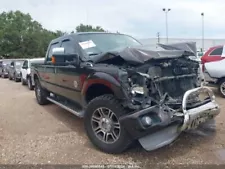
pixel 161 133
pixel 5 74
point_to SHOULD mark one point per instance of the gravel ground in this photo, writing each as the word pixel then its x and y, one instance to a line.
pixel 34 134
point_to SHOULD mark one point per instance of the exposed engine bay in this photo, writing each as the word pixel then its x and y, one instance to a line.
pixel 162 81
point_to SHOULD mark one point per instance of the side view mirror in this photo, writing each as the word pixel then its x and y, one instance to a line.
pixel 65 59
pixel 58 50
pixel 24 67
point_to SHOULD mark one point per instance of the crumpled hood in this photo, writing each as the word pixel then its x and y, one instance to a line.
pixel 142 54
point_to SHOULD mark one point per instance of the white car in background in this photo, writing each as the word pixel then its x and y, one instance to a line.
pixel 214 73
pixel 26 72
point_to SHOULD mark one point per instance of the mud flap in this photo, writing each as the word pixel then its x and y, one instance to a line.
pixel 160 138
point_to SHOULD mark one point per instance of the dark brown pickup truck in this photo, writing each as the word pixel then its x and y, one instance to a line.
pixel 124 90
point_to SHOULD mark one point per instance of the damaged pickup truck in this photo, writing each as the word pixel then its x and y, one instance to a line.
pixel 124 90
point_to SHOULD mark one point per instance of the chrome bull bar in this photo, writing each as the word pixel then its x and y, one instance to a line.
pixel 195 116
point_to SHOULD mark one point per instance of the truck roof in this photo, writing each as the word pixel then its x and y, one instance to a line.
pixel 73 35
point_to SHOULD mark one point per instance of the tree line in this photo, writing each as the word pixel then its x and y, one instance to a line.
pixel 23 37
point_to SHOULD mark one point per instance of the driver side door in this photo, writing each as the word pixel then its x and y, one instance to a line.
pixel 68 77
pixel 24 70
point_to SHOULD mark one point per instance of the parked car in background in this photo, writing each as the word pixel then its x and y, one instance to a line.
pixel 214 73
pixel 14 70
pixel 26 77
pixel 213 54
pixel 4 68
pixel 213 66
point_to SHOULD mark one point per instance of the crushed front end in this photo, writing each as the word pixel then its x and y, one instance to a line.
pixel 165 98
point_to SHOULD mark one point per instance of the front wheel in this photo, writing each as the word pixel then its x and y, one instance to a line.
pixel 15 79
pixel 40 93
pixel 29 83
pixel 23 82
pixel 103 127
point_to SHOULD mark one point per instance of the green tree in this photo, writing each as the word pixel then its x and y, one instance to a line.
pixel 21 36
pixel 89 28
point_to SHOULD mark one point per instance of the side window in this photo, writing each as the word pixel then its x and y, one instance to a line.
pixel 25 64
pixel 54 45
pixel 216 52
pixel 12 64
pixel 68 46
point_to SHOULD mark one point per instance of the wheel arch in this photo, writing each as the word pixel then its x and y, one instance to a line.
pixel 100 84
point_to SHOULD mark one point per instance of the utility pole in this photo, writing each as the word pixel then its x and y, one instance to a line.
pixel 166 13
pixel 158 37
pixel 202 14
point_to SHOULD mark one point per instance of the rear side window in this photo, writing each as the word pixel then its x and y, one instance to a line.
pixel 216 52
pixel 25 64
pixel 54 45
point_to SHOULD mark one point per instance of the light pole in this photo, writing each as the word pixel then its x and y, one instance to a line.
pixel 202 14
pixel 166 12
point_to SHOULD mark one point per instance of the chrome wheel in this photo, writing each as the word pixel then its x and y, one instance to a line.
pixel 105 125
pixel 222 88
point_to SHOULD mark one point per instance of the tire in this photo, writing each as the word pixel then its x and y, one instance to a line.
pixel 23 82
pixel 29 83
pixel 221 87
pixel 15 79
pixel 123 140
pixel 40 93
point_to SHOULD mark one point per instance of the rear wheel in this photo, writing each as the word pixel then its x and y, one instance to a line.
pixel 221 87
pixel 103 127
pixel 41 94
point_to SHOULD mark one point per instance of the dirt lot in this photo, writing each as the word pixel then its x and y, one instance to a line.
pixel 30 133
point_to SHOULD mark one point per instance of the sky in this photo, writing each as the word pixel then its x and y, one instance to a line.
pixel 139 18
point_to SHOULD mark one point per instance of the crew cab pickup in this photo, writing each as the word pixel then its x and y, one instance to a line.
pixel 123 90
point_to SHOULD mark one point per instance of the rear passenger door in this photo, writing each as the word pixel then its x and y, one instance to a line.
pixel 68 81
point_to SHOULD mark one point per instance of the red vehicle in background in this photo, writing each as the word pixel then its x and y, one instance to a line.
pixel 213 54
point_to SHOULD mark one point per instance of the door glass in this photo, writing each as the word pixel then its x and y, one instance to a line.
pixel 25 64
pixel 217 52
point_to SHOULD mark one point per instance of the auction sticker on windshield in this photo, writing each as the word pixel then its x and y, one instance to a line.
pixel 87 44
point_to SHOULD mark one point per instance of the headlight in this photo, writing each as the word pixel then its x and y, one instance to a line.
pixel 137 90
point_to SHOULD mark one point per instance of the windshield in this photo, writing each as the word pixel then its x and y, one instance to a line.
pixel 18 64
pixel 94 44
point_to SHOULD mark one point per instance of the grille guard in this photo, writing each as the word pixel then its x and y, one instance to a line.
pixel 193 117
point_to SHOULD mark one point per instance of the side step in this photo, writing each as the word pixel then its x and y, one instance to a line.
pixel 70 108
